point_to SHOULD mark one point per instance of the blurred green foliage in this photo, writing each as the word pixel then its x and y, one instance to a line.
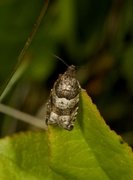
pixel 96 36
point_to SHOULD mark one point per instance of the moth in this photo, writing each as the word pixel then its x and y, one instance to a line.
pixel 62 106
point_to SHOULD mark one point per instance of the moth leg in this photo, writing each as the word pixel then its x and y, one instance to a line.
pixel 48 107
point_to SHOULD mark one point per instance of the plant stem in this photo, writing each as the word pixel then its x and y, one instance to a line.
pixel 15 75
pixel 37 122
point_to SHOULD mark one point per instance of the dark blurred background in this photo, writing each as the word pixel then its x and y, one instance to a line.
pixel 94 35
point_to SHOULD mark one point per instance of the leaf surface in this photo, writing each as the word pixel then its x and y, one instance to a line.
pixel 90 151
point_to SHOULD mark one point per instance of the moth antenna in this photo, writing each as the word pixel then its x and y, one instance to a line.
pixel 57 57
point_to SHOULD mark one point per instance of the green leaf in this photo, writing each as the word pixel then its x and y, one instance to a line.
pixel 90 151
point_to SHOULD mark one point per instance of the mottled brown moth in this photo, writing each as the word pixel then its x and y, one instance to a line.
pixel 63 102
